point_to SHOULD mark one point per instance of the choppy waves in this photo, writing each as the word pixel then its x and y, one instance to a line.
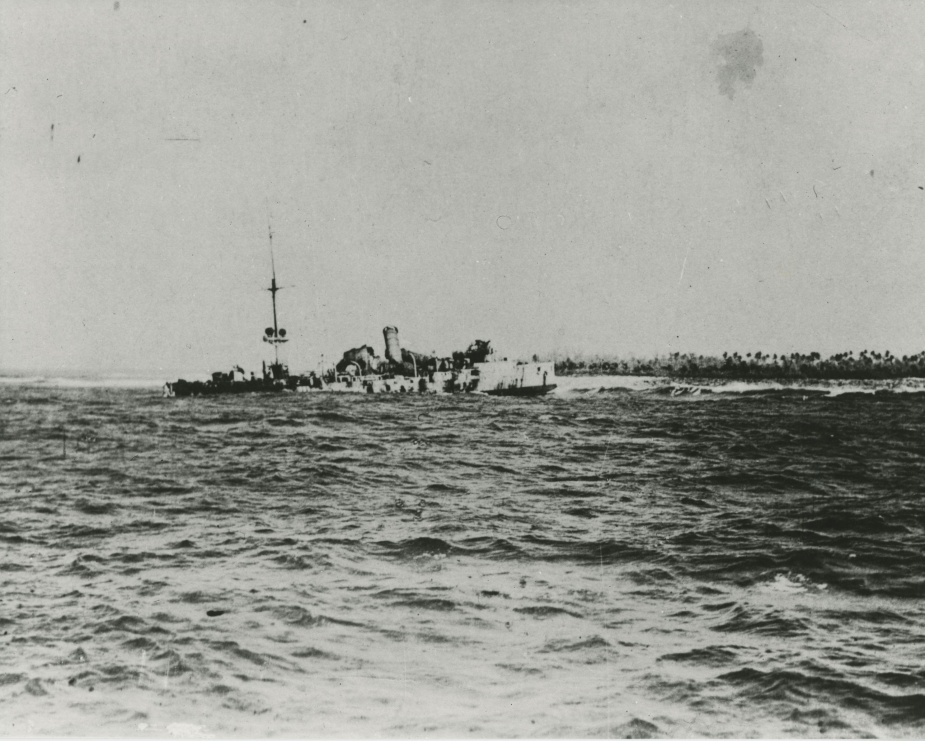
pixel 618 564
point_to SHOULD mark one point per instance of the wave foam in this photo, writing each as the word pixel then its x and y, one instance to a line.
pixel 586 384
pixel 575 385
pixel 115 382
pixel 791 584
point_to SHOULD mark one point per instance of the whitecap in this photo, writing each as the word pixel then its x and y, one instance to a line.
pixel 187 730
pixel 791 584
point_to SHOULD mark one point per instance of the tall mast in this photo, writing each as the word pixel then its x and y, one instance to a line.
pixel 273 289
pixel 274 335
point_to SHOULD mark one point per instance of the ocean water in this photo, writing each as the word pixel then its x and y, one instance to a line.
pixel 609 561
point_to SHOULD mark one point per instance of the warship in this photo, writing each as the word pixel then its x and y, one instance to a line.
pixel 360 370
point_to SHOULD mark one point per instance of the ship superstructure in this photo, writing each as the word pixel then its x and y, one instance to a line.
pixel 475 370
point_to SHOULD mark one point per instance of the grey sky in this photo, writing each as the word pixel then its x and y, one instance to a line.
pixel 615 177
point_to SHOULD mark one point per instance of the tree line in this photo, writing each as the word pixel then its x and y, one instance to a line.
pixel 866 364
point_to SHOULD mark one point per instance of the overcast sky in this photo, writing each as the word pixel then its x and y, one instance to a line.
pixel 614 177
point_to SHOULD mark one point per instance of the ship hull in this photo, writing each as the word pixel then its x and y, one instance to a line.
pixel 523 391
pixel 208 388
pixel 492 379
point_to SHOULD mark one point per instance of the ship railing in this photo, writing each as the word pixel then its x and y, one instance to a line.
pixel 349 377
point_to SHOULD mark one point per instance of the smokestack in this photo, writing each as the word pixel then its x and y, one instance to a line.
pixel 392 348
